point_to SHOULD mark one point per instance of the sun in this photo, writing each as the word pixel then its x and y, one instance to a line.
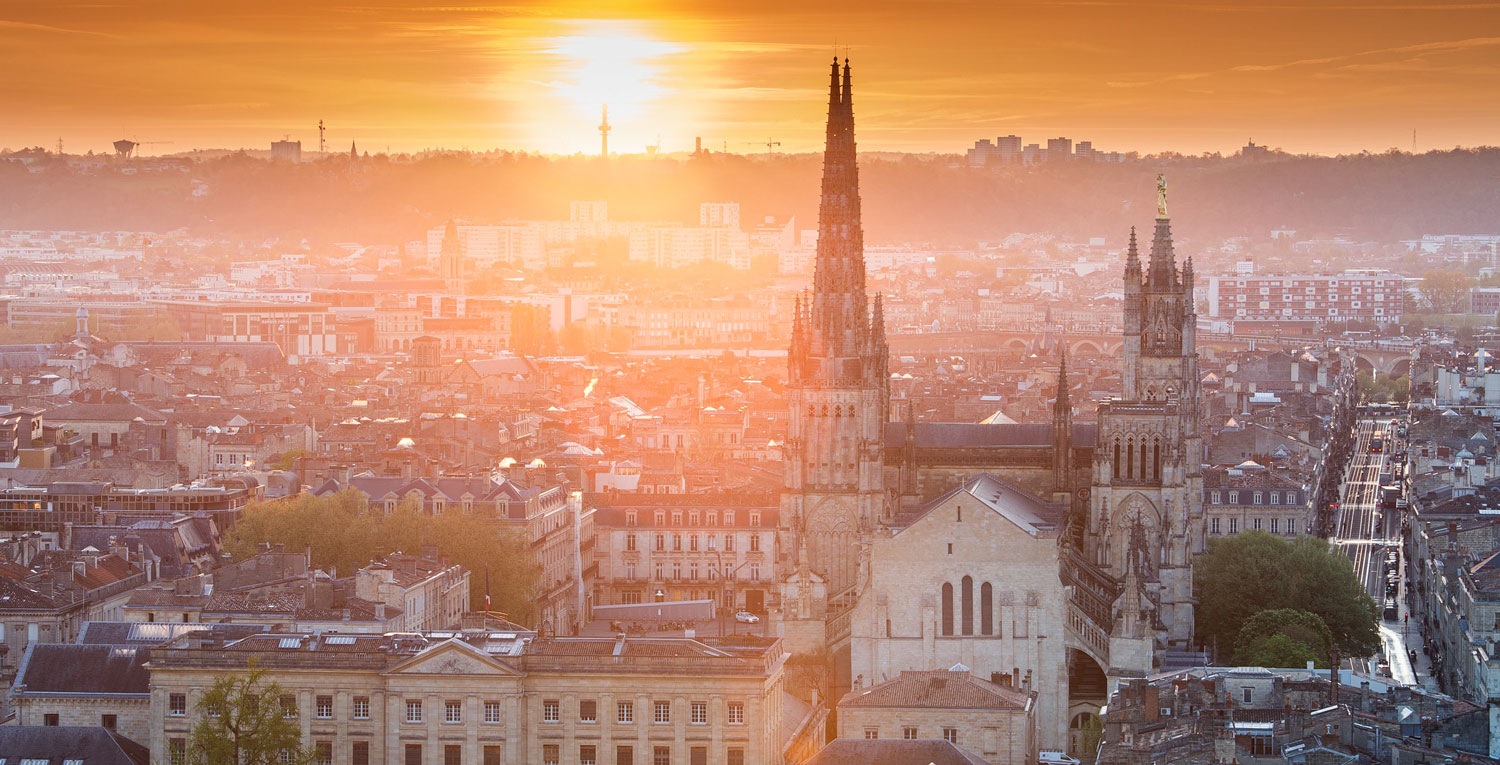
pixel 612 63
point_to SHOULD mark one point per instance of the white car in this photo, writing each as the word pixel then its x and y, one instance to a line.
pixel 745 617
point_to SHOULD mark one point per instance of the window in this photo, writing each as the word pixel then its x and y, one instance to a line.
pixel 492 755
pixel 736 756
pixel 692 543
pixel 1255 523
pixel 359 753
pixel 1234 498
pixel 950 735
pixel 630 541
pixel 50 719
pixel 361 707
pixel 1257 498
pixel 177 705
pixel 586 754
pixel 624 755
pixel 947 609
pixel 492 712
pixel 551 754
pixel 663 712
pixel 1234 525
pixel 698 755
pixel 909 733
pixel 661 542
pixel 453 755
pixel 736 713
pixel 872 734
pixel 1249 695
pixel 661 755
pixel 1215 498
pixel 625 712
pixel 177 750
pixel 453 711
pixel 413 712
pixel 700 713
pixel 549 711
pixel 1214 525
pixel 986 609
pixel 754 543
pixel 967 595
pixel 324 707
pixel 676 542
pixel 413 754
pixel 323 753
pixel 107 721
pixel 728 543
pixel 1275 497
pixel 288 707
pixel 755 572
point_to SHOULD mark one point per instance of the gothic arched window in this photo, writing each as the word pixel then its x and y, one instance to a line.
pixel 1145 466
pixel 1156 457
pixel 968 605
pixel 947 609
pixel 986 609
pixel 1117 457
pixel 1130 458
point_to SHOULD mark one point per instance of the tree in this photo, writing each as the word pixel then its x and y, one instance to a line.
pixel 1445 291
pixel 1299 627
pixel 1254 571
pixel 241 721
pixel 1276 651
pixel 288 459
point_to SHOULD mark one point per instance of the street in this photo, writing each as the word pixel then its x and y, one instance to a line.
pixel 1366 533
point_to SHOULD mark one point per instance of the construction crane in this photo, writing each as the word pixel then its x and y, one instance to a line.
pixel 769 144
pixel 320 138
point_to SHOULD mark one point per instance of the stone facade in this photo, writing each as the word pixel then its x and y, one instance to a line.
pixel 973 580
pixel 997 722
pixel 505 698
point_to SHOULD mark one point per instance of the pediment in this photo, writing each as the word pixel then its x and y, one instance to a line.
pixel 453 657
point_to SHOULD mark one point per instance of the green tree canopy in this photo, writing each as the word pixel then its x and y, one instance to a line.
pixel 1301 627
pixel 1445 291
pixel 1276 651
pixel 240 721
pixel 345 533
pixel 1254 571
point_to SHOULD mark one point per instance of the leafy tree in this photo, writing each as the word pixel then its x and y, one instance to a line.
pixel 345 533
pixel 1445 291
pixel 1300 627
pixel 1254 571
pixel 288 459
pixel 1276 651
pixel 241 722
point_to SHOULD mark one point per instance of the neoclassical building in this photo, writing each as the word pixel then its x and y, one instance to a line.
pixel 488 697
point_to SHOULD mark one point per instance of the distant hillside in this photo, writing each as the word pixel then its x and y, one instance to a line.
pixel 1383 197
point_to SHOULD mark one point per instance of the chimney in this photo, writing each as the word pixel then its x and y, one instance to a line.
pixel 379 612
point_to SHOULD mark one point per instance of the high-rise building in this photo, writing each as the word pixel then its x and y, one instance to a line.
pixel 1365 295
pixel 1059 149
pixel 592 211
pixel 719 214
pixel 451 260
pixel 834 494
pixel 289 151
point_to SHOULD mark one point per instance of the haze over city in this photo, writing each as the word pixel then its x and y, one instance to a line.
pixel 760 383
pixel 1310 77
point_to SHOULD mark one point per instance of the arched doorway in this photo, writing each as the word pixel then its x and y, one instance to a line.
pixel 1088 690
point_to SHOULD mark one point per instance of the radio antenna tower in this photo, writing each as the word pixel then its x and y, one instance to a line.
pixel 604 133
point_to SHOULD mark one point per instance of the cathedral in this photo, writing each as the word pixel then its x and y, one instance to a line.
pixel 1056 557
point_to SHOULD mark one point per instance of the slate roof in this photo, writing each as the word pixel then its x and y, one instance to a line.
pixel 971 434
pixel 84 669
pixel 1026 510
pixel 887 751
pixel 94 746
pixel 937 689
pixel 156 633
pixel 111 412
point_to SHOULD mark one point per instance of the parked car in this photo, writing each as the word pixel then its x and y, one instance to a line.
pixel 745 617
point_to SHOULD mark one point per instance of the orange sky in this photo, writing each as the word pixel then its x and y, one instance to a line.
pixel 1325 76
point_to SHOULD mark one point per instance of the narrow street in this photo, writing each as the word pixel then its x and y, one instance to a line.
pixel 1368 535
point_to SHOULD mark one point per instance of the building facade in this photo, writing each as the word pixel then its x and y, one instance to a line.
pixel 1366 295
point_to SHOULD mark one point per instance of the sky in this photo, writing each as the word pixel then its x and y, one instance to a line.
pixel 1321 76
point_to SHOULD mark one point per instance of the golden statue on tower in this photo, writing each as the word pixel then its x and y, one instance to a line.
pixel 1161 195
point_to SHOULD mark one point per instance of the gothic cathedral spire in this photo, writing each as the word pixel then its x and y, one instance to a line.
pixel 834 487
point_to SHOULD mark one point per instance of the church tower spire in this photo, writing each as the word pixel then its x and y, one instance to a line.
pixel 838 391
